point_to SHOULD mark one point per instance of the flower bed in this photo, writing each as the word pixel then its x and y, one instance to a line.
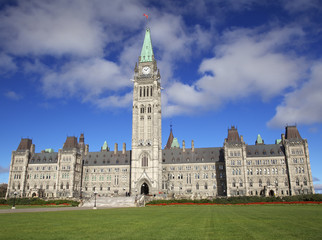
pixel 253 203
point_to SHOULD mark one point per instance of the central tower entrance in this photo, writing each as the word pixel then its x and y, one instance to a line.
pixel 144 189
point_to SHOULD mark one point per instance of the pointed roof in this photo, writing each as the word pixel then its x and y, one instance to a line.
pixel 233 135
pixel 170 140
pixel 105 147
pixel 291 132
pixel 259 140
pixel 175 143
pixel 147 50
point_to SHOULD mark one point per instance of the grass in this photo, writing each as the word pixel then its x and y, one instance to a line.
pixel 169 222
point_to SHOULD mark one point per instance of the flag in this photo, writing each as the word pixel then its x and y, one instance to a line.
pixel 145 15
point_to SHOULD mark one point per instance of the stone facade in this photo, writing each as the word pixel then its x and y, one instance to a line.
pixel 234 169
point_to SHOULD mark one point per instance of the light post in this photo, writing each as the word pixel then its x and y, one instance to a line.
pixel 95 193
pixel 14 200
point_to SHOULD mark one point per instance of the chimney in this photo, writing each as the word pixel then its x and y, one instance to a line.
pixel 192 146
pixel 86 149
pixel 183 146
pixel 115 148
pixel 124 148
pixel 241 138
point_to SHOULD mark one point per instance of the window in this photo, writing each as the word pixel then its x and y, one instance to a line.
pixel 285 182
pixel 305 182
pixel 144 161
pixel 250 182
pixel 197 186
pixel 297 182
pixel 260 182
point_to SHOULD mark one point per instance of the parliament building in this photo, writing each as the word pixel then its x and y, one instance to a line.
pixel 234 169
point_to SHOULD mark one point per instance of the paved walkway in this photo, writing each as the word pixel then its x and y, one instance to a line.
pixel 54 209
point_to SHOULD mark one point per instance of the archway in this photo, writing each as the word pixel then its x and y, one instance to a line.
pixel 271 193
pixel 34 195
pixel 145 189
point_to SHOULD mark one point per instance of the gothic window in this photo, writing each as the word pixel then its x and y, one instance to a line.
pixel 206 186
pixel 297 182
pixel 285 182
pixel 61 186
pixel 151 89
pixel 305 181
pixel 268 182
pixel 197 186
pixel 250 182
pixel 234 183
pixel 144 161
pixel 260 182
pixel 240 182
pixel 142 109
pixel 149 109
pixel 276 182
pixel 302 170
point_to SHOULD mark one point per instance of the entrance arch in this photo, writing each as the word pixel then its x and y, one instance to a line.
pixel 271 193
pixel 144 189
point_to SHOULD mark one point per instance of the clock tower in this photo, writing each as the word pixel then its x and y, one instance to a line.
pixel 146 163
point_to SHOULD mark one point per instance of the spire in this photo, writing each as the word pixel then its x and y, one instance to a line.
pixel 170 139
pixel 147 50
pixel 105 147
pixel 259 140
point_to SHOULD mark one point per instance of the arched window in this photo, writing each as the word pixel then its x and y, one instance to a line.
pixel 276 182
pixel 305 181
pixel 250 182
pixel 197 186
pixel 234 183
pixel 151 89
pixel 285 182
pixel 240 182
pixel 260 182
pixel 297 182
pixel 67 186
pixel 144 161
pixel 142 109
pixel 149 109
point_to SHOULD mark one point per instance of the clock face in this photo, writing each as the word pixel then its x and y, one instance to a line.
pixel 146 70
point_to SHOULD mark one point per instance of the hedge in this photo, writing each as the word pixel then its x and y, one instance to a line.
pixel 38 201
pixel 245 199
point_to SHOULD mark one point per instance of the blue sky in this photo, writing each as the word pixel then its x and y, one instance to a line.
pixel 66 66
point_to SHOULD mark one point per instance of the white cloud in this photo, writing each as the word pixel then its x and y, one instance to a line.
pixel 85 79
pixel 247 63
pixel 303 106
pixel 13 95
pixel 6 63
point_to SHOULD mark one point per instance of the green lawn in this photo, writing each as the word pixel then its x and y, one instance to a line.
pixel 169 222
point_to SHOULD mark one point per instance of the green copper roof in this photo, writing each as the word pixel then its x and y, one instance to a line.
pixel 105 146
pixel 259 139
pixel 278 141
pixel 147 51
pixel 175 143
pixel 49 150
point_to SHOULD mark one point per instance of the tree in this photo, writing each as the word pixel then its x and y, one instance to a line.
pixel 3 189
